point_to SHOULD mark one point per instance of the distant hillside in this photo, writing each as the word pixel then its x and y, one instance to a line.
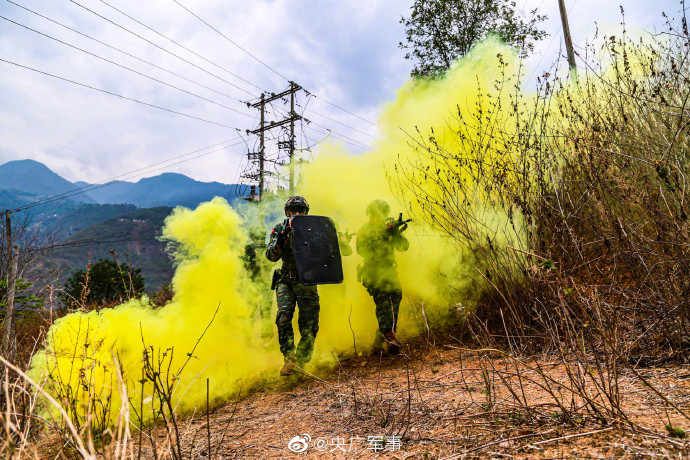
pixel 13 199
pixel 71 221
pixel 35 178
pixel 133 238
pixel 168 189
pixel 105 218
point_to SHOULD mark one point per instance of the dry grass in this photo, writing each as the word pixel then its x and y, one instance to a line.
pixel 579 346
pixel 444 402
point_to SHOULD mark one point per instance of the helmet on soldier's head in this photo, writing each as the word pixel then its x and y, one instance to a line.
pixel 297 204
pixel 378 208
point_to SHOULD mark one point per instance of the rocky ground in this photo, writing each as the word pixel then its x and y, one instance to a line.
pixel 442 400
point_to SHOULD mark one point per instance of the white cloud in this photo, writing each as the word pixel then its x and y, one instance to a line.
pixel 346 52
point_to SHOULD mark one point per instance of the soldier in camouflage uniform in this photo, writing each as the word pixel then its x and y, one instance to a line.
pixel 376 242
pixel 289 291
pixel 258 272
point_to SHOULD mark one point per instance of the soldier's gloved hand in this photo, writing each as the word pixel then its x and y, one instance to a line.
pixel 283 237
pixel 391 227
pixel 280 239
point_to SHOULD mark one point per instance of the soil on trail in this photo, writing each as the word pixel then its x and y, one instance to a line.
pixel 445 401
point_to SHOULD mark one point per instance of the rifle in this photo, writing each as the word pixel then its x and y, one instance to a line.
pixel 282 237
pixel 397 226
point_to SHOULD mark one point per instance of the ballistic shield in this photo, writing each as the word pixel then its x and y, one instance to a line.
pixel 316 249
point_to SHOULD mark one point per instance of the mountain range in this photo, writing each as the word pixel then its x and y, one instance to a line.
pixel 81 216
pixel 26 181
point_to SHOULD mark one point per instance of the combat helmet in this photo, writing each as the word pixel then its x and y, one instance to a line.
pixel 378 208
pixel 297 203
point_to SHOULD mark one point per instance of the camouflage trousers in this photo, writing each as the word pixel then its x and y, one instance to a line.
pixel 387 307
pixel 290 292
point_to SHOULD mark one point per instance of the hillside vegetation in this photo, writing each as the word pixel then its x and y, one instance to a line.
pixel 132 236
pixel 573 204
pixel 69 222
pixel 84 225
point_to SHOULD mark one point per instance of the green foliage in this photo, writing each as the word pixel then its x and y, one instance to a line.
pixel 676 432
pixel 547 264
pixel 24 299
pixel 144 250
pixel 440 31
pixel 105 281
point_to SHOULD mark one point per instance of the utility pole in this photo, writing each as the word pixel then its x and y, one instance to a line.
pixel 568 38
pixel 260 157
pixel 292 137
pixel 262 147
pixel 9 342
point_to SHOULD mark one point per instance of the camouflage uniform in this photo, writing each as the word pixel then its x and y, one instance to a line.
pixel 376 244
pixel 289 291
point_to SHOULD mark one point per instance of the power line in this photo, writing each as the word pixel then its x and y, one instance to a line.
pixel 118 95
pixel 92 240
pixel 125 67
pixel 161 48
pixel 315 142
pixel 340 123
pixel 183 47
pixel 550 43
pixel 152 235
pixel 128 175
pixel 264 64
pixel 336 133
pixel 360 144
pixel 231 41
pixel 125 52
pixel 110 181
pixel 344 110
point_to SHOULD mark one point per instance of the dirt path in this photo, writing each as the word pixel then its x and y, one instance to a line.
pixel 446 402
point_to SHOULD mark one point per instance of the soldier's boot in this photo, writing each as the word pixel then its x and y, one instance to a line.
pixel 377 347
pixel 393 342
pixel 289 366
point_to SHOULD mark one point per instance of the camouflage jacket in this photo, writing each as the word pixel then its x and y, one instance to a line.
pixel 274 252
pixel 377 245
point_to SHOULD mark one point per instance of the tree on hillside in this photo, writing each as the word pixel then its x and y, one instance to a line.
pixel 440 31
pixel 105 281
pixel 24 298
pixel 26 245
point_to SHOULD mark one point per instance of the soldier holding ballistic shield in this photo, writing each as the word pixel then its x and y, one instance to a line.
pixel 308 246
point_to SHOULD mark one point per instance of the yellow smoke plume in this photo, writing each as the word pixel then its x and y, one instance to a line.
pixel 210 328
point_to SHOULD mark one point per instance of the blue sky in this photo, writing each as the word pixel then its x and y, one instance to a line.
pixel 345 52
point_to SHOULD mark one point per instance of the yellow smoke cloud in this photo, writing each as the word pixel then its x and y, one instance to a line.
pixel 210 279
